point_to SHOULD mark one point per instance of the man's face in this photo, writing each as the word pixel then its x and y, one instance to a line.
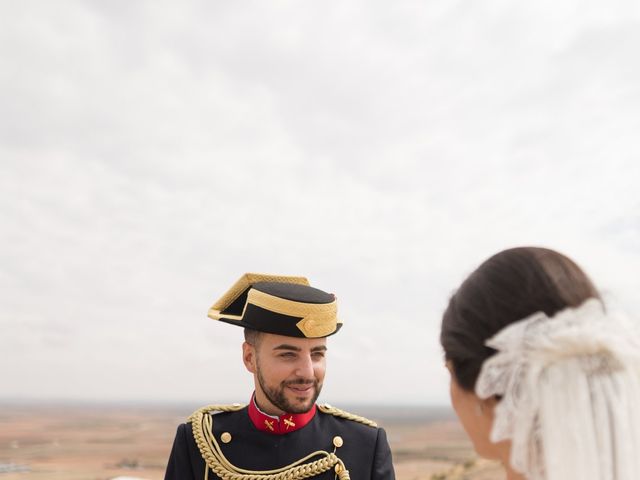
pixel 288 372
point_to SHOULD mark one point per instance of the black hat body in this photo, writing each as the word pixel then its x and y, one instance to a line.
pixel 279 305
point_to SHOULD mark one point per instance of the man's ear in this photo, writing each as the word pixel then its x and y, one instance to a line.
pixel 249 357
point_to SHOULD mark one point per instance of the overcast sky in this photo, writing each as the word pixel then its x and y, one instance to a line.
pixel 152 152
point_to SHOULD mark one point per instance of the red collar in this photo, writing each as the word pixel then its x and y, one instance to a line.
pixel 289 422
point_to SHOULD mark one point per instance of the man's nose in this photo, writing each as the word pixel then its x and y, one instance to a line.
pixel 305 367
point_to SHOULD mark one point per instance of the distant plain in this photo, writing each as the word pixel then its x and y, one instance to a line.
pixel 91 442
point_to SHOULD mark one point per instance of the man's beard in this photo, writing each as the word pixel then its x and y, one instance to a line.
pixel 278 399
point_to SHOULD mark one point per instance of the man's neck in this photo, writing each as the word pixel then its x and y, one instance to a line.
pixel 265 406
pixel 272 412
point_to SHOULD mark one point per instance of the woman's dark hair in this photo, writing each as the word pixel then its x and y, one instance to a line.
pixel 506 288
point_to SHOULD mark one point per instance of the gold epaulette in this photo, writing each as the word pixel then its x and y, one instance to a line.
pixel 233 407
pixel 326 408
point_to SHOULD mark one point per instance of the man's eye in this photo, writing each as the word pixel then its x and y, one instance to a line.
pixel 318 354
pixel 287 355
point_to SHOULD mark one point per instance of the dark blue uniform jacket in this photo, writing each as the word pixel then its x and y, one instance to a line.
pixel 365 451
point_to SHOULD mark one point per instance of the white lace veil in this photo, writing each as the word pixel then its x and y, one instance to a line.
pixel 570 388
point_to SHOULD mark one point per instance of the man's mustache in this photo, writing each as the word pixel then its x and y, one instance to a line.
pixel 300 381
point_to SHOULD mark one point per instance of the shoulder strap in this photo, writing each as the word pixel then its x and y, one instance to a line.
pixel 233 407
pixel 326 408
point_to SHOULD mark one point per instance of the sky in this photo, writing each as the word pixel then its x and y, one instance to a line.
pixel 152 152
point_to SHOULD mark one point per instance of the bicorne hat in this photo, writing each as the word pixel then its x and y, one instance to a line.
pixel 278 304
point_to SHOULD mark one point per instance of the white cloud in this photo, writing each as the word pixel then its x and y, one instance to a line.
pixel 153 153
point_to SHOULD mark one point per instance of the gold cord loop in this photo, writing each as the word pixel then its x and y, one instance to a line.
pixel 343 474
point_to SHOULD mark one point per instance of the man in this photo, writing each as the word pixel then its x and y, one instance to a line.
pixel 281 434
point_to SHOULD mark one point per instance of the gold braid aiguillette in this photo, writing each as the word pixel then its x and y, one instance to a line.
pixel 202 426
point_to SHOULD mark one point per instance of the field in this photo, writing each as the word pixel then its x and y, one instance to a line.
pixel 104 443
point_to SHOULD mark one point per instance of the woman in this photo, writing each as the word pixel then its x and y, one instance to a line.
pixel 543 378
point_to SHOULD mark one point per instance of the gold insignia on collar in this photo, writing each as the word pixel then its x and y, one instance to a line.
pixel 269 424
pixel 289 422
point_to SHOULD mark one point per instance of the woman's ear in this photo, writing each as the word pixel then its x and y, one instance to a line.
pixel 486 407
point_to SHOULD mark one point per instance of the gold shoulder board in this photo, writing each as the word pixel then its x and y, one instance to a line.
pixel 326 408
pixel 233 407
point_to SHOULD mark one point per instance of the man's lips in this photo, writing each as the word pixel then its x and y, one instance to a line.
pixel 301 388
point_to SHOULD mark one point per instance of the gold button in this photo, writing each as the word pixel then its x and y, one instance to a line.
pixel 225 437
pixel 337 441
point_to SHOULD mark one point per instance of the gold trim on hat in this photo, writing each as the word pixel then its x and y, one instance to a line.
pixel 318 319
pixel 315 326
pixel 289 307
pixel 243 283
